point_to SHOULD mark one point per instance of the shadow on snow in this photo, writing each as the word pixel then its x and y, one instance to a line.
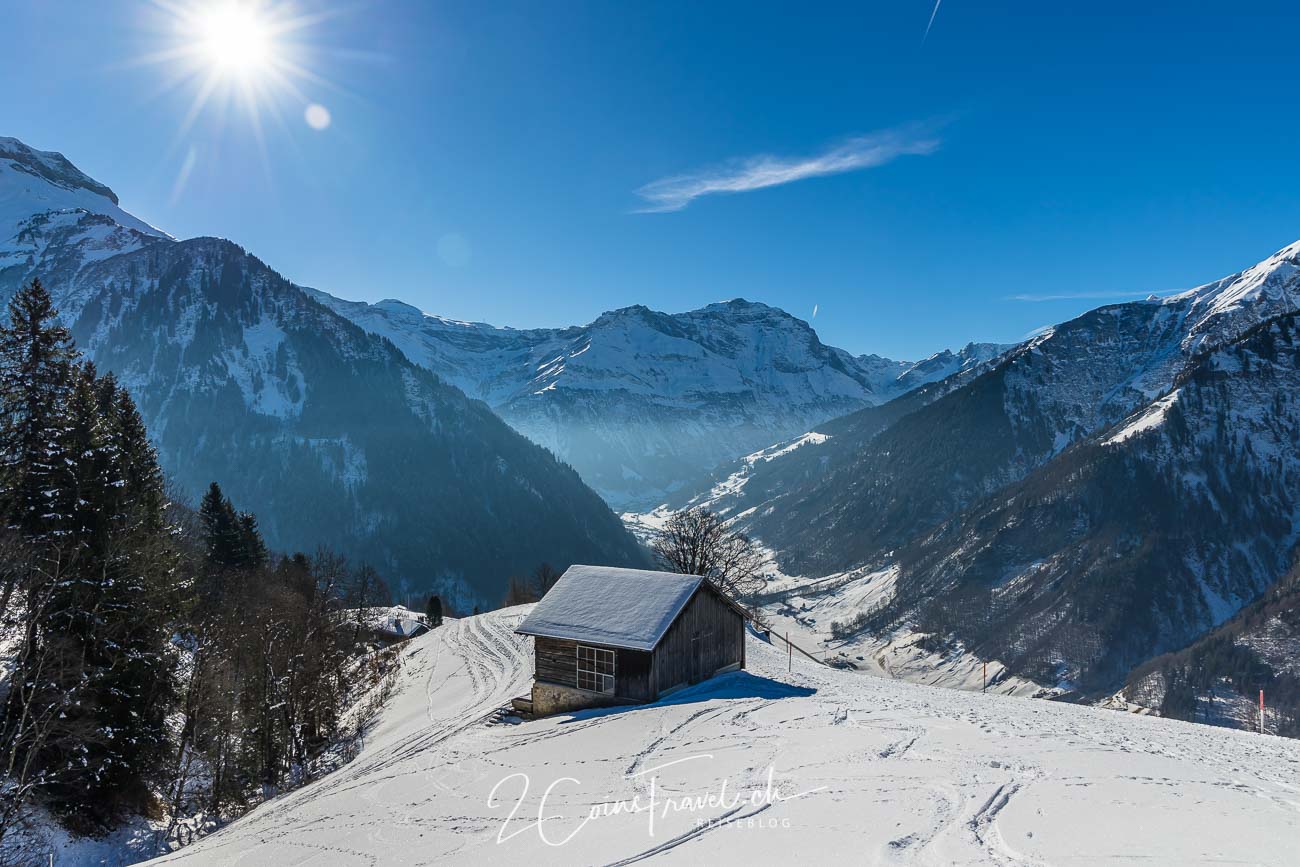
pixel 736 684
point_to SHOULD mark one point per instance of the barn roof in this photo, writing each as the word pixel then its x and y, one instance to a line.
pixel 630 608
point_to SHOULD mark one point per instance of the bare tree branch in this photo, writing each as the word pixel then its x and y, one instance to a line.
pixel 699 542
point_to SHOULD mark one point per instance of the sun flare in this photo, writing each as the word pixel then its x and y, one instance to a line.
pixel 235 39
pixel 245 61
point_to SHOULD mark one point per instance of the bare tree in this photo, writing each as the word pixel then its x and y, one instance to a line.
pixel 367 591
pixel 544 578
pixel 699 542
pixel 519 591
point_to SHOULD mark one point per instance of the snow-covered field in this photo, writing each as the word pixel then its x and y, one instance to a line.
pixel 808 610
pixel 768 766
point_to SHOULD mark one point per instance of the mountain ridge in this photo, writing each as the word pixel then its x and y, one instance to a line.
pixel 1107 491
pixel 645 403
pixel 328 433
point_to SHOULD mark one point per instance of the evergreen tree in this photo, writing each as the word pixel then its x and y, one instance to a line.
pixel 222 533
pixel 90 484
pixel 36 356
pixel 252 552
pixel 112 617
pixel 94 650
pixel 92 687
pixel 433 612
pixel 144 495
pixel 232 538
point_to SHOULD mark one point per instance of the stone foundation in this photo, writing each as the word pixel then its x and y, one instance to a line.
pixel 549 698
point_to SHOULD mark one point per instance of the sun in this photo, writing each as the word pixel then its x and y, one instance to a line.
pixel 243 60
pixel 235 38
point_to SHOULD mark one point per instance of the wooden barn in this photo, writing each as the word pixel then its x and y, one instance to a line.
pixel 606 636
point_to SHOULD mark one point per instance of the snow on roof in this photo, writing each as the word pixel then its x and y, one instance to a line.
pixel 393 619
pixel 630 608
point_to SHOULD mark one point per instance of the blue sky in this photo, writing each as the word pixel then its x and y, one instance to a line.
pixel 483 160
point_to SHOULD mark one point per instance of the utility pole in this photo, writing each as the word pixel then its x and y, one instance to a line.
pixel 985 687
pixel 1261 711
pixel 789 655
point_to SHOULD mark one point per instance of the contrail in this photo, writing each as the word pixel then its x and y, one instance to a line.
pixel 931 24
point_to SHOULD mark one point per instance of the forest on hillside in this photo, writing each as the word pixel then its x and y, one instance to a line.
pixel 159 660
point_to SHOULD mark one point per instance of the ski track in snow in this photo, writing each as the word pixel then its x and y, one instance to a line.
pixel 900 774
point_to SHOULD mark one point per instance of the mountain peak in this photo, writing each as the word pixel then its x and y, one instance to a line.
pixel 741 305
pixel 632 311
pixel 51 166
pixel 392 305
pixel 34 183
pixel 1228 307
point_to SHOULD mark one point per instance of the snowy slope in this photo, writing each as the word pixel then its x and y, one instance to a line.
pixel 34 182
pixel 55 220
pixel 862 769
pixel 644 403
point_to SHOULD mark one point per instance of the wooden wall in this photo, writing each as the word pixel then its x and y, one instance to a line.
pixel 557 662
pixel 707 636
pixel 633 677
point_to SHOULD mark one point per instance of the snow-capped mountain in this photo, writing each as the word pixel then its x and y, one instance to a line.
pixel 884 485
pixel 1136 540
pixel 644 403
pixel 1105 492
pixel 329 434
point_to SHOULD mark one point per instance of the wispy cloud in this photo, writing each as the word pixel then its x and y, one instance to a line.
pixel 931 24
pixel 758 172
pixel 1076 296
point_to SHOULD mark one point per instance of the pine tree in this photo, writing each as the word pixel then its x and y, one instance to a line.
pixel 140 600
pixel 144 495
pixel 90 481
pixel 222 533
pixel 36 356
pixel 252 553
pixel 433 612
pixel 111 616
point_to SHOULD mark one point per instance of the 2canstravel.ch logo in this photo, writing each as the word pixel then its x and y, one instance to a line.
pixel 724 805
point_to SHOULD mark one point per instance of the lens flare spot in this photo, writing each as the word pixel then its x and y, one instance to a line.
pixel 317 116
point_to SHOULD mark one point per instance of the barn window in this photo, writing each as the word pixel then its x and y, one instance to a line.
pixel 595 669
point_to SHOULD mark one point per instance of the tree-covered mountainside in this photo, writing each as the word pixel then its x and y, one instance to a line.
pixel 1218 678
pixel 330 434
pixel 159 666
pixel 898 472
pixel 1105 493
pixel 1135 541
